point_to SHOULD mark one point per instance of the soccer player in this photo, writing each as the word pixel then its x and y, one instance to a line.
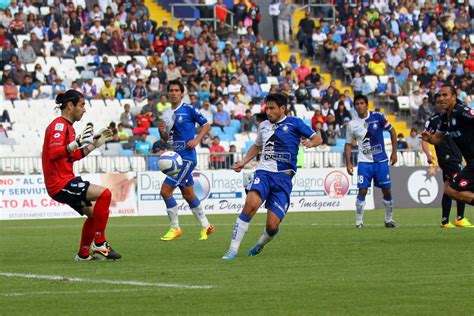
pixel 450 161
pixel 177 129
pixel 278 140
pixel 367 129
pixel 458 120
pixel 60 149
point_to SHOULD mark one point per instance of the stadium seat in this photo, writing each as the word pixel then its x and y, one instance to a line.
pixel 154 131
pixel 265 87
pixel 124 59
pixel 272 81
pixel 142 60
pixel 256 109
pixel 151 138
pixel 372 81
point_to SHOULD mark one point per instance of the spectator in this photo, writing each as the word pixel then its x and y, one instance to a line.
pixel 127 119
pixel 28 90
pixel 414 140
pixel 424 112
pixel 216 154
pixel 248 122
pixel 401 143
pixel 37 45
pixel 303 97
pixel 139 92
pixel 230 158
pixel 341 113
pixel 121 91
pixel 58 87
pixel 89 89
pixel 332 135
pixel 54 31
pixel 239 108
pixel 105 68
pixel 286 11
pixel 58 48
pixel 143 147
pixel 10 90
pixel 343 127
pixel 123 135
pixel 107 91
pixel 163 104
pixel 221 117
pixel 393 91
pixel 377 66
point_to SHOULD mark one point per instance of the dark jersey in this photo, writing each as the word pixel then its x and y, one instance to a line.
pixel 446 151
pixel 460 126
pixel 57 162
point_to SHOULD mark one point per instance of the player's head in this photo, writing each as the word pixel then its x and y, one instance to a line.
pixel 175 91
pixel 72 104
pixel 275 107
pixel 447 98
pixel 361 105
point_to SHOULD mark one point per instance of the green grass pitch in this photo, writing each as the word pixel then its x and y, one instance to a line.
pixel 319 264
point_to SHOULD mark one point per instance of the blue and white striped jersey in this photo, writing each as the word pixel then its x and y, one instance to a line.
pixel 368 132
pixel 180 124
pixel 280 143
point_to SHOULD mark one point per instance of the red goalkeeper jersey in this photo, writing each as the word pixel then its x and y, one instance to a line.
pixel 57 162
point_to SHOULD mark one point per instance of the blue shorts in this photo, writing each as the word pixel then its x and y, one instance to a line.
pixel 274 188
pixel 379 171
pixel 184 178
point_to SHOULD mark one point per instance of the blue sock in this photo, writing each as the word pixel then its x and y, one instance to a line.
pixel 387 198
pixel 170 203
pixel 194 203
pixel 244 217
pixel 361 197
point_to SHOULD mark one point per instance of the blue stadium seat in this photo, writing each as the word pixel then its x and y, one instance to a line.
pixel 231 130
pixel 154 131
pixel 307 122
pixel 236 124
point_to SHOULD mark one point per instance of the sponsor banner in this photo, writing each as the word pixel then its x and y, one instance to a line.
pixel 222 191
pixel 25 197
pixel 414 187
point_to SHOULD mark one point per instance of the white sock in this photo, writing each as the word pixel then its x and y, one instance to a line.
pixel 359 211
pixel 388 210
pixel 265 238
pixel 173 217
pixel 240 229
pixel 200 216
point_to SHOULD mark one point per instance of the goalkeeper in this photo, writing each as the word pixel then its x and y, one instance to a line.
pixel 61 148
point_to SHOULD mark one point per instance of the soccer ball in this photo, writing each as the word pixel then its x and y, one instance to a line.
pixel 170 163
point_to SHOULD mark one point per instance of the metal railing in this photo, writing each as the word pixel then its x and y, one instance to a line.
pixel 214 20
pixel 138 163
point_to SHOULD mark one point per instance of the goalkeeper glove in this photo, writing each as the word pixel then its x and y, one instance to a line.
pixel 81 139
pixel 104 135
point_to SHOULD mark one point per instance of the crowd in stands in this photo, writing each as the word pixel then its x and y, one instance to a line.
pixel 226 69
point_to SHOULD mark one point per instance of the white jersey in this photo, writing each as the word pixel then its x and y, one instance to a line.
pixel 368 132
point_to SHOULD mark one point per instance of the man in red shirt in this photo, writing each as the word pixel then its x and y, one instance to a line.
pixel 60 149
pixel 217 160
pixel 470 63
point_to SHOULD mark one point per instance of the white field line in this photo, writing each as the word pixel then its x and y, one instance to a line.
pixel 111 282
pixel 14 294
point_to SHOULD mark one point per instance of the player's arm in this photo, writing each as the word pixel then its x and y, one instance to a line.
pixel 347 155
pixel 393 139
pixel 253 151
pixel 194 142
pixel 433 139
pixel 314 141
pixel 58 149
pixel 426 150
pixel 162 130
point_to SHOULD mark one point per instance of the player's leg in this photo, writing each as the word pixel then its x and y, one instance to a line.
pixel 364 178
pixel 100 216
pixel 462 187
pixel 446 203
pixel 460 221
pixel 196 209
pixel 252 204
pixel 383 181
pixel 277 203
pixel 166 193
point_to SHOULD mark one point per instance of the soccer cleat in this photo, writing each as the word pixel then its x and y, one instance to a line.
pixel 391 224
pixel 172 234
pixel 464 223
pixel 447 225
pixel 230 255
pixel 88 258
pixel 205 232
pixel 359 226
pixel 106 251
pixel 255 250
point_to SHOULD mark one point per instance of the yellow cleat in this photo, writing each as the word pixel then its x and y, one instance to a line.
pixel 448 225
pixel 205 232
pixel 464 223
pixel 172 234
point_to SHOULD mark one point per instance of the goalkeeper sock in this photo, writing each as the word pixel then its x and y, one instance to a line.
pixel 360 204
pixel 266 237
pixel 199 213
pixel 87 237
pixel 240 228
pixel 101 215
pixel 446 202
pixel 388 202
pixel 172 210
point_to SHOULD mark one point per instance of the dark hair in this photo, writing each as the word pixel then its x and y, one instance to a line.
pixel 279 98
pixel 361 97
pixel 451 87
pixel 176 82
pixel 69 96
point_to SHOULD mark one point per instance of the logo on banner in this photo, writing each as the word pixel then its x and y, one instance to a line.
pixel 336 185
pixel 202 186
pixel 423 186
